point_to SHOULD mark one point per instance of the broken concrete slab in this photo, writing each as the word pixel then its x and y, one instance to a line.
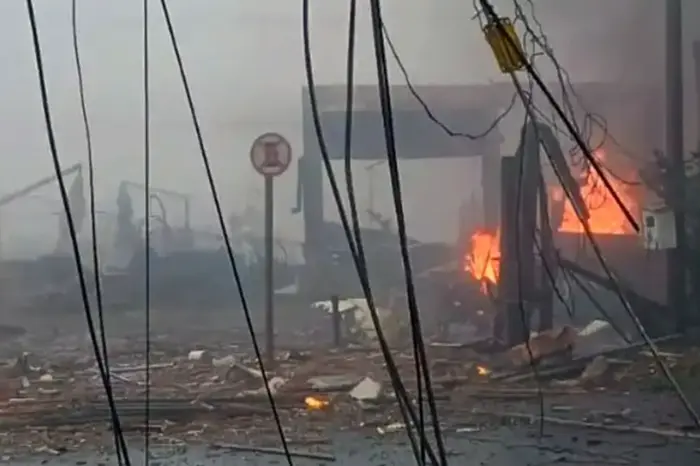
pixel 367 390
pixel 333 382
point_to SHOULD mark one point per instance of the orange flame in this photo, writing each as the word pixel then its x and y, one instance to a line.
pixel 483 371
pixel 312 403
pixel 605 215
pixel 482 260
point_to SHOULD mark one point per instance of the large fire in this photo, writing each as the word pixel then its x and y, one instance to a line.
pixel 483 259
pixel 605 217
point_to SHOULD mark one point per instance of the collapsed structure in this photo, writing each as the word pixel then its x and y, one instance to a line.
pixel 500 251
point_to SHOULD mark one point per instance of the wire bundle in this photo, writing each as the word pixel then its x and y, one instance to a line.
pixel 488 11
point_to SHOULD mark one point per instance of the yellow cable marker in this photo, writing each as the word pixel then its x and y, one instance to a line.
pixel 505 44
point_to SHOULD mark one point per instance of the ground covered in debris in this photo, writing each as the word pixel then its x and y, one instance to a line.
pixel 208 396
pixel 498 446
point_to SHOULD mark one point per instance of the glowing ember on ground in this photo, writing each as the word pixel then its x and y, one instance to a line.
pixel 313 403
pixel 482 260
pixel 605 215
pixel 484 371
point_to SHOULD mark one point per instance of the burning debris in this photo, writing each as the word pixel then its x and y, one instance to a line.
pixel 482 260
pixel 605 216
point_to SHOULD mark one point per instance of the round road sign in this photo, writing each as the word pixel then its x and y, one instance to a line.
pixel 271 154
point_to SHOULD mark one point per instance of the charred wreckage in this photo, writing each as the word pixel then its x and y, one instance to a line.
pixel 529 255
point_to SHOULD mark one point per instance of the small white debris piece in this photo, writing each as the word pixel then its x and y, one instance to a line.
pixel 344 305
pixel 24 382
pixel 468 430
pixel 46 378
pixel 48 391
pixel 276 383
pixel 389 428
pixel 594 327
pixel 237 369
pixel 199 355
pixel 367 390
pixel 332 382
pixel 226 361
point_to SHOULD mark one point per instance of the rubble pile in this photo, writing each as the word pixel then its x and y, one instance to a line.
pixel 55 402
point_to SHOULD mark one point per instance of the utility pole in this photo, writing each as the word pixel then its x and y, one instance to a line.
pixel 676 262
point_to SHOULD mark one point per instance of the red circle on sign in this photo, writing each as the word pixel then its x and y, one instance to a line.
pixel 271 154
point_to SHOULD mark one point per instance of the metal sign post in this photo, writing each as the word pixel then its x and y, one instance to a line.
pixel 271 155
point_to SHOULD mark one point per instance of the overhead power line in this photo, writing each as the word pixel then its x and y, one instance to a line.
pixel 72 231
pixel 222 224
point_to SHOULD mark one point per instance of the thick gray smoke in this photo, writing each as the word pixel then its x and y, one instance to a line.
pixel 245 65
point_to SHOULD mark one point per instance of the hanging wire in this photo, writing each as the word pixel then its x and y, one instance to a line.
pixel 147 228
pixel 222 224
pixel 423 368
pixel 358 254
pixel 429 112
pixel 416 357
pixel 349 106
pixel 118 437
pixel 490 13
pixel 56 162
pixel 538 40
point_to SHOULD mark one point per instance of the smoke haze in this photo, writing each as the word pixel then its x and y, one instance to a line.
pixel 245 64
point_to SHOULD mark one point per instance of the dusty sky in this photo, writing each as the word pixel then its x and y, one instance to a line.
pixel 244 60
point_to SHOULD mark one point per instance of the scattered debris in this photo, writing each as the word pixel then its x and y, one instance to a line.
pixel 216 394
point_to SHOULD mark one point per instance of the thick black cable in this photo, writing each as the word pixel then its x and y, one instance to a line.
pixel 353 204
pixel 357 251
pixel 532 73
pixel 147 230
pixel 426 108
pixel 349 105
pixel 392 160
pixel 416 358
pixel 222 224
pixel 39 62
pixel 93 213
